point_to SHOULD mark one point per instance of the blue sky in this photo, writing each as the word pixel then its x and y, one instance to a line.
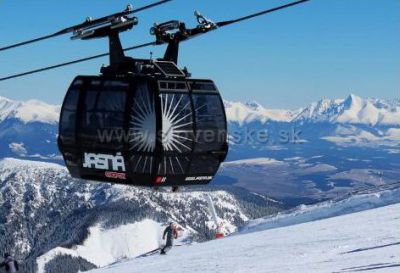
pixel 321 49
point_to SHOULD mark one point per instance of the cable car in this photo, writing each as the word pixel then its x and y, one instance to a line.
pixel 146 130
pixel 142 122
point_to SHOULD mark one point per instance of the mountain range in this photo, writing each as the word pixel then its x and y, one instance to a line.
pixel 313 153
pixel 352 110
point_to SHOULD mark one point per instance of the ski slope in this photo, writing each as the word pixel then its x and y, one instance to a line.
pixel 304 240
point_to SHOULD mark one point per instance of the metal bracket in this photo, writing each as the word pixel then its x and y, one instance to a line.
pixel 173 32
pixel 109 27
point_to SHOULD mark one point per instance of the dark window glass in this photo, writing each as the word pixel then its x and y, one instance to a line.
pixel 174 86
pixel 203 87
pixel 68 117
pixel 204 165
pixel 92 96
pixel 71 101
pixel 102 121
pixel 210 123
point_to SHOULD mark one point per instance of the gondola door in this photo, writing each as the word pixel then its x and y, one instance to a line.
pixel 177 132
pixel 101 128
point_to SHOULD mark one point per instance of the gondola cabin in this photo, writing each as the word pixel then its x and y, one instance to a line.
pixel 161 129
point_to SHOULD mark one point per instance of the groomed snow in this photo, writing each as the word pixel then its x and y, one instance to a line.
pixel 362 241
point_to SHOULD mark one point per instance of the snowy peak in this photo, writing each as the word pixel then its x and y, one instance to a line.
pixel 254 105
pixel 354 110
pixel 353 101
pixel 29 111
pixel 324 110
pixel 252 111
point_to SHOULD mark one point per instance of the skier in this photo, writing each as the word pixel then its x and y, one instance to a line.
pixel 171 233
pixel 9 263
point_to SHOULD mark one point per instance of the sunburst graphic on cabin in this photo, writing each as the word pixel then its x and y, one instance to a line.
pixel 177 132
pixel 142 133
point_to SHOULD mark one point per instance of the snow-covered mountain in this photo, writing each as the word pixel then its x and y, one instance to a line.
pixel 318 152
pixel 46 213
pixel 243 113
pixel 356 234
pixel 28 112
pixel 29 130
pixel 355 137
pixel 352 110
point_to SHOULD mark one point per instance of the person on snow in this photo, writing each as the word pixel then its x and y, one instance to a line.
pixel 172 233
pixel 9 263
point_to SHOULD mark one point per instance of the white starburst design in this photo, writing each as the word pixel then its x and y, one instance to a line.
pixel 176 123
pixel 143 123
pixel 177 131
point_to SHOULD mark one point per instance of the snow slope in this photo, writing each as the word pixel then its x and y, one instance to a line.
pixel 361 241
pixel 328 209
pixel 115 244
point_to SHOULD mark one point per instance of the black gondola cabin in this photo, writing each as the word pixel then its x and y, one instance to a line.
pixel 143 130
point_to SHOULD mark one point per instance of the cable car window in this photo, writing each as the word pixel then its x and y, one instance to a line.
pixel 112 104
pixel 204 164
pixel 203 87
pixel 103 115
pixel 176 86
pixel 91 99
pixel 71 101
pixel 210 123
pixel 68 118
